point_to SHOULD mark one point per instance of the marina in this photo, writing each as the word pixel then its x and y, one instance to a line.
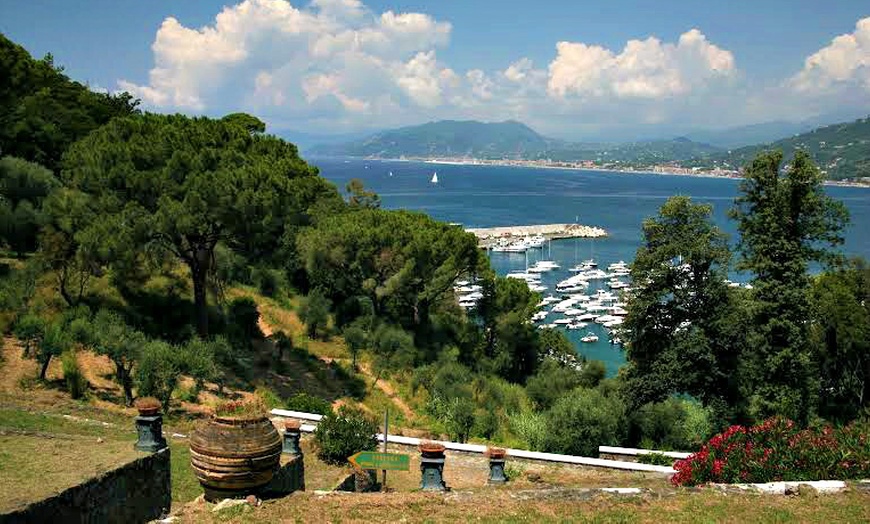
pixel 519 238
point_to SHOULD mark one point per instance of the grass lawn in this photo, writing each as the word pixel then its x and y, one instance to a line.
pixel 509 505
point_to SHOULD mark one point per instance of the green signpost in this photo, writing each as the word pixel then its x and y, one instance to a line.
pixel 382 461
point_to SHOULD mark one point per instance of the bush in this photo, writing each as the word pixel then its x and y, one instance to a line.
pixel 158 371
pixel 551 381
pixel 531 428
pixel 341 435
pixel 268 398
pixel 660 425
pixel 777 450
pixel 308 404
pixel 314 312
pixel 243 317
pixel 29 329
pixel 656 459
pixel 582 420
pixel 76 383
pixel 270 282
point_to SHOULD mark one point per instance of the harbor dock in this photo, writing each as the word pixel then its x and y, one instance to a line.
pixel 489 236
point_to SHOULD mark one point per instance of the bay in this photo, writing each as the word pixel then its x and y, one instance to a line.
pixel 487 196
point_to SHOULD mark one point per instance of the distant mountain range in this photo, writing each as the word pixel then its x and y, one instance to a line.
pixel 505 140
pixel 841 150
pixel 447 138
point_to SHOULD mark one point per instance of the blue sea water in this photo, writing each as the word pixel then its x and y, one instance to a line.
pixel 486 196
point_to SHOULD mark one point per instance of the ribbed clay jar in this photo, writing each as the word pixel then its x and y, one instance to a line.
pixel 234 456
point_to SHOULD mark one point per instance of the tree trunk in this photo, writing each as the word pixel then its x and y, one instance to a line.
pixel 44 368
pixel 199 297
pixel 126 382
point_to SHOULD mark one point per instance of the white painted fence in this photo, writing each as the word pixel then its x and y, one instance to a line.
pixel 478 448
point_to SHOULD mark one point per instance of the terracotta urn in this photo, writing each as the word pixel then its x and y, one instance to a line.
pixel 496 453
pixel 147 406
pixel 235 456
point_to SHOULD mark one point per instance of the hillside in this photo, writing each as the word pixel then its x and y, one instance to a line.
pixel 508 140
pixel 446 138
pixel 841 150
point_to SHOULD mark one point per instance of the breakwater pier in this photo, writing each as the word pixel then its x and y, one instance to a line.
pixel 490 236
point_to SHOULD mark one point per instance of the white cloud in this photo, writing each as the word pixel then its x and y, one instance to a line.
pixel 335 65
pixel 842 64
pixel 644 69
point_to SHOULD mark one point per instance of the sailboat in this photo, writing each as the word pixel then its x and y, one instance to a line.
pixel 434 178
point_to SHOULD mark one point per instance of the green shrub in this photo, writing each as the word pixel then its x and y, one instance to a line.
pixel 268 397
pixel 551 381
pixel 159 368
pixel 314 312
pixel 270 282
pixel 243 317
pixel 582 420
pixel 76 383
pixel 656 459
pixel 308 404
pixel 340 435
pixel 29 329
pixel 531 427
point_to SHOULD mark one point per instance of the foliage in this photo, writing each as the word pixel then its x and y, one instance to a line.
pixel 341 435
pixel 243 409
pixel 404 263
pixel 785 221
pixel 160 367
pixel 531 427
pixel 667 425
pixel 393 347
pixel 582 420
pixel 189 183
pixel 30 329
pixel 314 312
pixel 679 330
pixel 777 449
pixel 840 332
pixel 269 282
pixel 359 197
pixel 551 382
pixel 112 337
pixel 42 111
pixel 840 149
pixel 356 339
pixel 308 404
pixel 656 459
pixel 23 187
pixel 76 383
pixel 243 317
pixel 54 342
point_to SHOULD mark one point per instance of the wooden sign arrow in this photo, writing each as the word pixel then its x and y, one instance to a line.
pixel 384 461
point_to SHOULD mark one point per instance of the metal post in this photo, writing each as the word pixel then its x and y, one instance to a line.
pixel 386 436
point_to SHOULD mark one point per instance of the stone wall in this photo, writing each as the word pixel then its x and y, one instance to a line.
pixel 139 491
pixel 289 478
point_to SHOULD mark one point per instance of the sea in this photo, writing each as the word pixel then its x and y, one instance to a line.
pixel 488 196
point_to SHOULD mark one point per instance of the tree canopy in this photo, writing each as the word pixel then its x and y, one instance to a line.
pixel 189 183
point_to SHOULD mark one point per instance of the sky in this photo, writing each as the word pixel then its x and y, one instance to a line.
pixel 572 69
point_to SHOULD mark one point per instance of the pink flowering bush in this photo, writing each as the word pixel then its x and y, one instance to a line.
pixel 776 450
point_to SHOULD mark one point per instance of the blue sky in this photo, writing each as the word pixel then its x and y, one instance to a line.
pixel 346 65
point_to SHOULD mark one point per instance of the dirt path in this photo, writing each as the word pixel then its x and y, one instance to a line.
pixel 388 390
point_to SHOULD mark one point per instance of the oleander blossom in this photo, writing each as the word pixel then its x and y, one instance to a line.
pixel 777 449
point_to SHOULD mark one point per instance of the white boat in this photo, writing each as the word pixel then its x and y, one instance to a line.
pixel 391 173
pixel 617 284
pixel 590 337
pixel 572 312
pixel 618 266
pixel 577 325
pixel 537 288
pixel 613 323
pixel 434 178
pixel 560 321
pixel 585 316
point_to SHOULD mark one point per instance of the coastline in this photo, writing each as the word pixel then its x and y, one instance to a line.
pixel 728 175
